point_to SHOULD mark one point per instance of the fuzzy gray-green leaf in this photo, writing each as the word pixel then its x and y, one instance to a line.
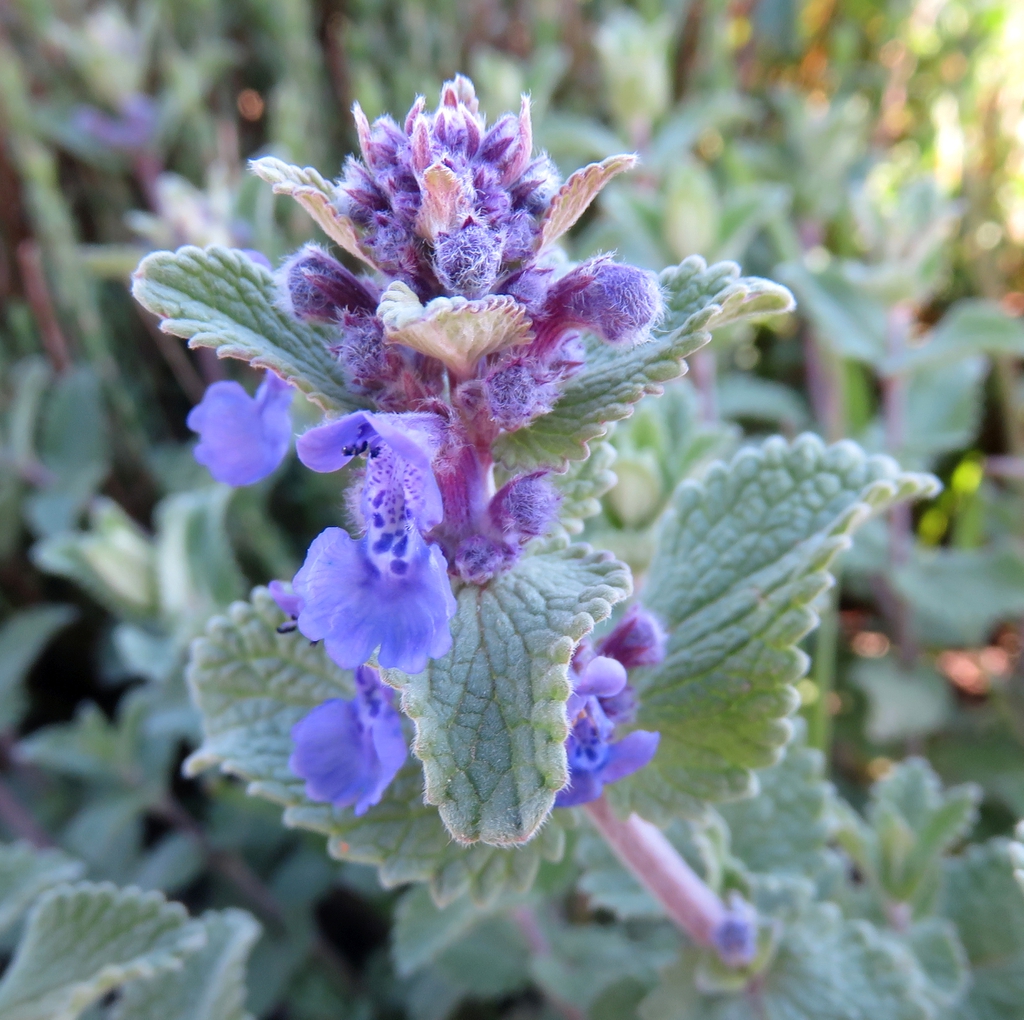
pixel 83 940
pixel 825 968
pixel 490 715
pixel 25 873
pixel 740 558
pixel 211 985
pixel 218 297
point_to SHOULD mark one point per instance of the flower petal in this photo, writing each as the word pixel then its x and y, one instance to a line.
pixel 629 755
pixel 602 676
pixel 334 753
pixel 355 607
pixel 583 787
pixel 242 438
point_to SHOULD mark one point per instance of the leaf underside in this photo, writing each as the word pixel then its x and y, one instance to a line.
pixel 740 558
pixel 490 715
pixel 252 685
pixel 218 297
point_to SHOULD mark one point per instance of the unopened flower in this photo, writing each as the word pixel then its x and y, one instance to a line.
pixel 242 438
pixel 446 204
pixel 617 302
pixel 637 640
pixel 390 588
pixel 348 752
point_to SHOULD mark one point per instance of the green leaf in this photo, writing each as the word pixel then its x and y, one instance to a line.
pixel 912 822
pixel 943 412
pixel 218 297
pixel 741 557
pixel 491 962
pixel 196 571
pixel 699 299
pixel 969 327
pixel 850 321
pixel 113 561
pixel 74 450
pixel 490 715
pixel 745 396
pixel 25 873
pixel 943 959
pixel 959 595
pixel 825 968
pixel 582 486
pixel 422 929
pixel 120 753
pixel 211 985
pixel 786 827
pixel 902 703
pixel 584 960
pixel 982 899
pixel 23 636
pixel 252 685
pixel 83 940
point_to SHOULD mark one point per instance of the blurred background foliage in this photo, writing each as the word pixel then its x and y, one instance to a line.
pixel 867 153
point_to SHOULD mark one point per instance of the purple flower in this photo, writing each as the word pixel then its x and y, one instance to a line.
pixel 735 935
pixel 594 708
pixel 287 601
pixel 349 751
pixel 390 588
pixel 242 438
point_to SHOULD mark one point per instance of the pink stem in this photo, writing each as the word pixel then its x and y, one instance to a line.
pixel 660 869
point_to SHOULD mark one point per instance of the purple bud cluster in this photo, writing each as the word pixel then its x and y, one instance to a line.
pixel 452 216
pixel 485 189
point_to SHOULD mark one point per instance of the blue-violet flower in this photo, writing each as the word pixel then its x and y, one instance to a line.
pixel 349 751
pixel 390 588
pixel 594 758
pixel 242 438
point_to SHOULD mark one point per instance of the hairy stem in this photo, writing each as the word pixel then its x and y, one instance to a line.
pixel 661 870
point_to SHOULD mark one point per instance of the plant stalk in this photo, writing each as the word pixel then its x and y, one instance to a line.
pixel 661 870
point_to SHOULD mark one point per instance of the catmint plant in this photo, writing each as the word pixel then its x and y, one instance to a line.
pixel 437 687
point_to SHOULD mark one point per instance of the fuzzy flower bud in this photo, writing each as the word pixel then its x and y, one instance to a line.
pixel 320 288
pixel 619 303
pixel 467 261
pixel 525 506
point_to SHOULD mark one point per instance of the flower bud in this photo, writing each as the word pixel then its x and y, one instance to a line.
pixel 321 288
pixel 479 558
pixel 637 640
pixel 619 303
pixel 468 261
pixel 525 506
